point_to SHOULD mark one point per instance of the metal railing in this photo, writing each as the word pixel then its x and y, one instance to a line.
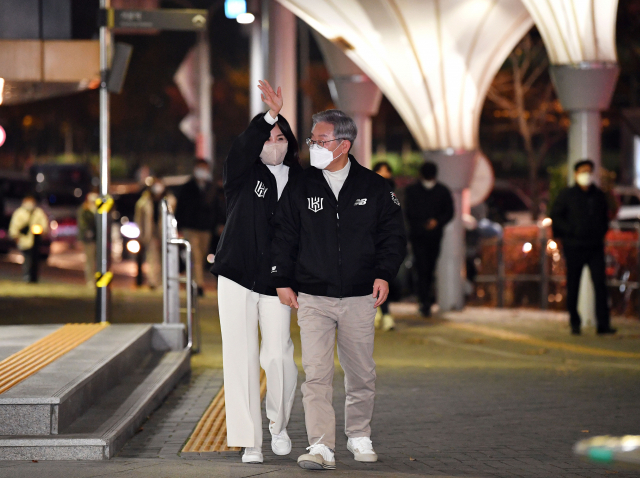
pixel 171 279
pixel 548 248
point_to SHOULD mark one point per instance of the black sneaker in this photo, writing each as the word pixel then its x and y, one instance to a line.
pixel 607 331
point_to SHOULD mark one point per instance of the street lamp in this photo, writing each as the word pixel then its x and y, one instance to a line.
pixel 434 61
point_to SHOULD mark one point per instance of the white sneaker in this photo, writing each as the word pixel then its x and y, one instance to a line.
pixel 252 455
pixel 320 457
pixel 280 443
pixel 362 449
pixel 388 323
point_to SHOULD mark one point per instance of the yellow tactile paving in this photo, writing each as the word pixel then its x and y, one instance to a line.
pixel 210 433
pixel 527 339
pixel 21 365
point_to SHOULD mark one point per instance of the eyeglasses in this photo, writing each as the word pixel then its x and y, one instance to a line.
pixel 310 142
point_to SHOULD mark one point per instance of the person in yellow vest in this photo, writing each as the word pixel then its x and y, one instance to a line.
pixel 28 225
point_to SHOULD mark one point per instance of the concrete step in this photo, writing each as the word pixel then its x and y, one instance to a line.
pixel 47 402
pixel 104 428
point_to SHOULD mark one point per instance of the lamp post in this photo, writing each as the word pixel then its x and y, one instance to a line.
pixel 434 60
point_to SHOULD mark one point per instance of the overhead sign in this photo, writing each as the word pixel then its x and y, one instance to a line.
pixel 161 19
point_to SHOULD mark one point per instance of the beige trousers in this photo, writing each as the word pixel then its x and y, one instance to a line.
pixel 353 317
pixel 154 262
pixel 241 311
pixel 200 247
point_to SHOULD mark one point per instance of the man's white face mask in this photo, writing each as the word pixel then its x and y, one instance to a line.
pixel 273 153
pixel 202 174
pixel 584 179
pixel 428 184
pixel 321 157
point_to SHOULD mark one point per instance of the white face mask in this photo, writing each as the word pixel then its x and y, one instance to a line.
pixel 584 179
pixel 429 184
pixel 321 157
pixel 273 153
pixel 202 174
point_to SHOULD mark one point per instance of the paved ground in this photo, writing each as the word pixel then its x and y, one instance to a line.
pixel 484 393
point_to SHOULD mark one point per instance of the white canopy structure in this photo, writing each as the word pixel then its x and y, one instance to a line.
pixel 576 30
pixel 434 60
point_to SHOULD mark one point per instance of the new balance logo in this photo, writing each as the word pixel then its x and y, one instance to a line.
pixel 274 269
pixel 261 190
pixel 315 204
pixel 361 202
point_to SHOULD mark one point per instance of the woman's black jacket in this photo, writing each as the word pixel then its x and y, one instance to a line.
pixel 243 253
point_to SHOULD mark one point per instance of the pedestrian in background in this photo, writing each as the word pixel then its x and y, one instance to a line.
pixel 196 216
pixel 580 216
pixel 27 226
pixel 428 207
pixel 86 220
pixel 148 214
pixel 262 160
pixel 384 320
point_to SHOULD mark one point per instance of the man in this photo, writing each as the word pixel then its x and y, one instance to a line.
pixel 196 216
pixel 86 217
pixel 580 216
pixel 384 320
pixel 147 216
pixel 339 241
pixel 28 224
pixel 429 207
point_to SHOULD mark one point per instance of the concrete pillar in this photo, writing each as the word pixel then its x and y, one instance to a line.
pixel 258 50
pixel 584 91
pixel 204 146
pixel 353 92
pixel 455 169
pixel 283 59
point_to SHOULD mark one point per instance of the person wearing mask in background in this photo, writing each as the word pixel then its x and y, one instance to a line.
pixel 196 215
pixel 384 320
pixel 27 226
pixel 86 217
pixel 429 207
pixel 339 241
pixel 580 216
pixel 148 217
pixel 260 163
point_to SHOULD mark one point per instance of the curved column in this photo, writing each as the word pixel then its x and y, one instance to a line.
pixel 455 170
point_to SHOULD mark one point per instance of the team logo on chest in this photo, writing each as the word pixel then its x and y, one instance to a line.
pixel 315 204
pixel 261 190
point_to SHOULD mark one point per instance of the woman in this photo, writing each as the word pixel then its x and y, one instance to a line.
pixel 260 162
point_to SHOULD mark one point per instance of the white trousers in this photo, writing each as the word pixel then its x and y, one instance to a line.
pixel 241 310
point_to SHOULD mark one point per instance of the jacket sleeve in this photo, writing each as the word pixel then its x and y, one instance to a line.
pixel 286 241
pixel 446 214
pixel 560 222
pixel 245 150
pixel 390 241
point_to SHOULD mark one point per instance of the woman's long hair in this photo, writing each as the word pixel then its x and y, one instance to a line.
pixel 293 154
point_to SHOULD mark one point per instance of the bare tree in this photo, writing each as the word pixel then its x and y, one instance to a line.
pixel 525 100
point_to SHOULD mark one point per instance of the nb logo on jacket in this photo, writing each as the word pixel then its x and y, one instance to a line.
pixel 261 190
pixel 315 204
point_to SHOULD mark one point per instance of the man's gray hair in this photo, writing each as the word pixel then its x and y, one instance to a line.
pixel 343 125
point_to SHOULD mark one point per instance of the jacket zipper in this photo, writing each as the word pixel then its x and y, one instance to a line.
pixel 339 250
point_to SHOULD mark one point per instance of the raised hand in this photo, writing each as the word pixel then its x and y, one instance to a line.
pixel 272 99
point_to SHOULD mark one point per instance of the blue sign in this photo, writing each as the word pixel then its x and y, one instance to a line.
pixel 233 8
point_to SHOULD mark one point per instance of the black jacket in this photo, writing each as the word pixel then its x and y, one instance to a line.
pixel 422 204
pixel 252 195
pixel 196 208
pixel 580 218
pixel 337 248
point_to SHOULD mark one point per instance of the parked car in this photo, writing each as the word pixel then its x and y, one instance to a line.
pixel 628 198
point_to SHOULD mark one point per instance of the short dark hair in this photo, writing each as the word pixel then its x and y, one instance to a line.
pixel 584 162
pixel 429 170
pixel 382 164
